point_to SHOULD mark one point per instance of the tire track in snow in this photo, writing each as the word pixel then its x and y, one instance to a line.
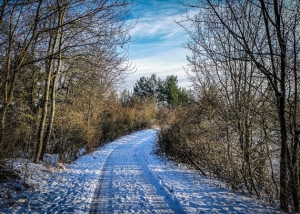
pixel 126 184
pixel 95 202
pixel 159 184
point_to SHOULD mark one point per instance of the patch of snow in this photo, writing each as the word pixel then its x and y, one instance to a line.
pixel 81 152
pixel 50 159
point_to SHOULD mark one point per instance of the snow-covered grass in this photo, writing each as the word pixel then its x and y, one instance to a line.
pixel 132 180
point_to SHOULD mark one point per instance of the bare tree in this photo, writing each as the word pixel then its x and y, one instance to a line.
pixel 266 34
pixel 17 37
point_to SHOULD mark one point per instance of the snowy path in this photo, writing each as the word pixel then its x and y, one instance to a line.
pixel 134 180
pixel 127 185
pixel 125 176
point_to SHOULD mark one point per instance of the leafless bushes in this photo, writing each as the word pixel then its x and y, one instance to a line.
pixel 121 118
pixel 202 138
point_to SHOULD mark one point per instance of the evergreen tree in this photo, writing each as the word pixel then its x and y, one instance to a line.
pixel 167 92
pixel 146 87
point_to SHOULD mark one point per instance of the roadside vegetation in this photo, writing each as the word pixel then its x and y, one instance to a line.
pixel 243 127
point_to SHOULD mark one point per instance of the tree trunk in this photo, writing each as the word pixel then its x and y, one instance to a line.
pixel 295 175
pixel 43 138
pixel 42 124
pixel 52 114
pixel 284 192
pixel 54 81
pixel 45 101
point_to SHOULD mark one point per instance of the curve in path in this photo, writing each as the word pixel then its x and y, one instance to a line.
pixel 127 185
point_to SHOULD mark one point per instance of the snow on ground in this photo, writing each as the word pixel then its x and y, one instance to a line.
pixel 124 176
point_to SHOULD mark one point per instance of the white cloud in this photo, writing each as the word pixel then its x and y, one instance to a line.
pixel 158 40
pixel 168 62
pixel 149 27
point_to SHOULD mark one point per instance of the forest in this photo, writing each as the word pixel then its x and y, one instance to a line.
pixel 61 62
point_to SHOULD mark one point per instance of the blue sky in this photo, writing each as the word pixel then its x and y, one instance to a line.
pixel 157 46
